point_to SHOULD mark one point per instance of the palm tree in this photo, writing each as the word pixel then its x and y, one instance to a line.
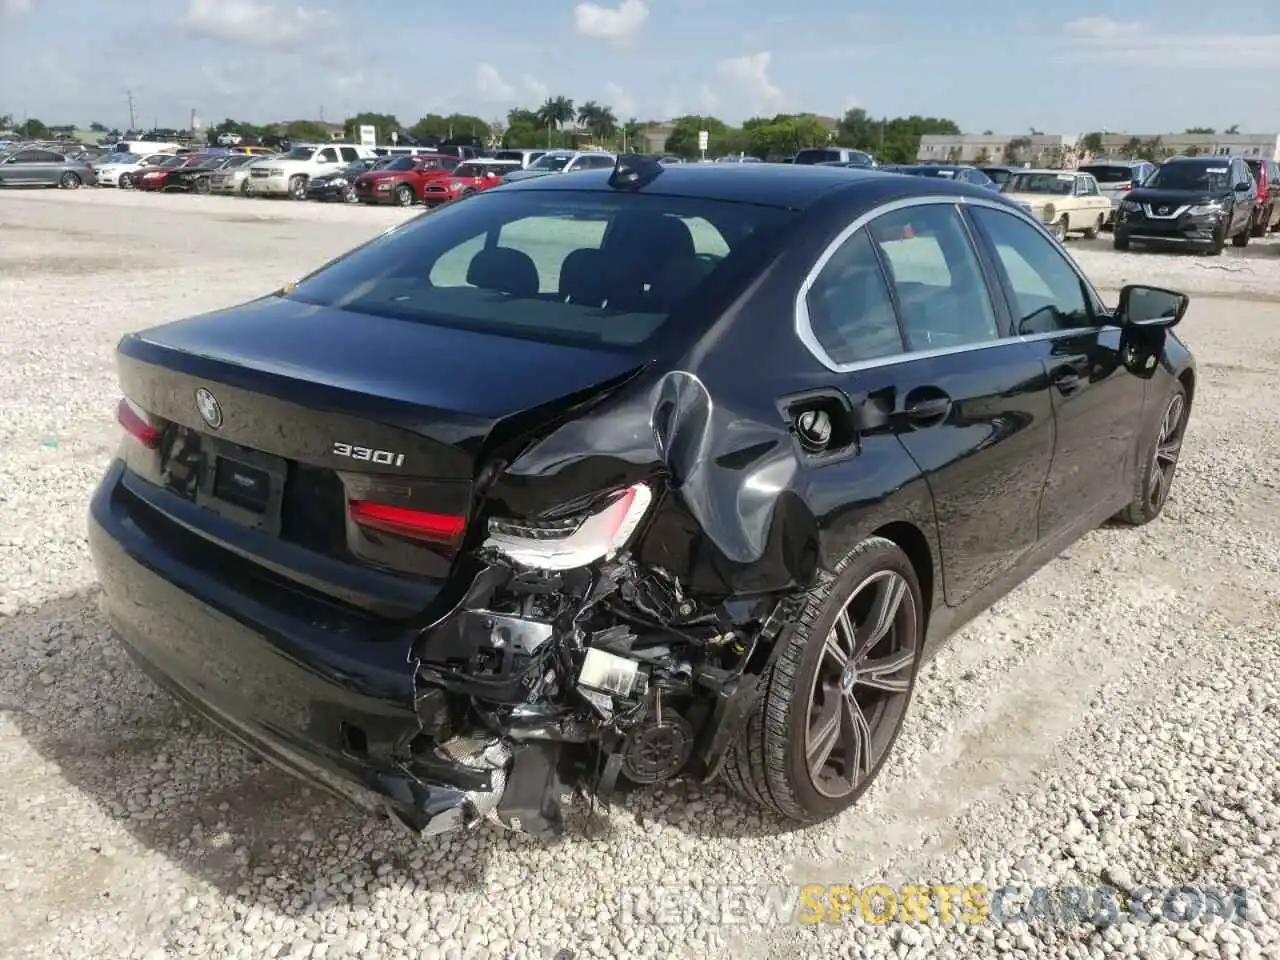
pixel 556 112
pixel 599 120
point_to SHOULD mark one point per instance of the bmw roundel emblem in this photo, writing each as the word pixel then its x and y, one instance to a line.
pixel 209 409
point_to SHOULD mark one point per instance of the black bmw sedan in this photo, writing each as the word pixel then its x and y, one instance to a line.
pixel 645 473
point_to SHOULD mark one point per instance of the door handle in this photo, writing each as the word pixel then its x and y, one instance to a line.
pixel 928 411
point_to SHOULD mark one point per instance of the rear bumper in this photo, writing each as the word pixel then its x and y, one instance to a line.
pixel 332 704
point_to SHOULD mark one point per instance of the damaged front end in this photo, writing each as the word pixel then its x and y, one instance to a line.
pixel 568 664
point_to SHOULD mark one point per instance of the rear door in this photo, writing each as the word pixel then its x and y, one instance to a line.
pixel 905 309
pixel 1097 401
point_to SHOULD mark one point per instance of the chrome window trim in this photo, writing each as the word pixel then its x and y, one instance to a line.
pixel 804 327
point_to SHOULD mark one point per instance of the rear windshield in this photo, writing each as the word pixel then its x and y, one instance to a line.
pixel 1212 176
pixel 1058 184
pixel 817 156
pixel 1107 173
pixel 998 175
pixel 584 268
pixel 948 173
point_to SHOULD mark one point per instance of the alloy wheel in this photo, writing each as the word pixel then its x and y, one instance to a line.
pixel 1168 448
pixel 861 684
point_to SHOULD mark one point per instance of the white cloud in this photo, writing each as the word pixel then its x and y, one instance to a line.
pixel 490 87
pixel 619 26
pixel 14 8
pixel 535 88
pixel 624 108
pixel 750 73
pixel 251 23
pixel 1101 38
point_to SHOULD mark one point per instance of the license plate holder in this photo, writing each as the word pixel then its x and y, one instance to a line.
pixel 243 485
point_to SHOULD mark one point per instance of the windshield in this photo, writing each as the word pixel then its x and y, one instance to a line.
pixel 946 172
pixel 1212 177
pixel 552 161
pixel 402 163
pixel 1055 184
pixel 469 170
pixel 122 158
pixel 354 169
pixel 583 268
pixel 172 161
pixel 1109 173
pixel 300 153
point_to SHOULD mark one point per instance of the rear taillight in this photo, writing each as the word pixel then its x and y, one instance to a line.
pixel 135 423
pixel 444 529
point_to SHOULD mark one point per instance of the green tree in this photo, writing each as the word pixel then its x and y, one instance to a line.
pixel 1152 150
pixel 453 125
pixel 1015 148
pixel 783 135
pixel 599 120
pixel 97 127
pixel 6 121
pixel 984 156
pixel 383 123
pixel 524 129
pixel 683 139
pixel 306 130
pixel 1133 148
pixel 32 129
pixel 1232 130
pixel 1092 143
pixel 894 139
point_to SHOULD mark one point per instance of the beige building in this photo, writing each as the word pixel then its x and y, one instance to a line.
pixel 1069 151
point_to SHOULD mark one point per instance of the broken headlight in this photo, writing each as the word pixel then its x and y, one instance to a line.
pixel 574 541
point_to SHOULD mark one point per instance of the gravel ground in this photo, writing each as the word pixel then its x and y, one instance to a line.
pixel 1112 721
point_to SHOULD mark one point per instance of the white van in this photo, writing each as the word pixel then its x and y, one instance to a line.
pixel 145 148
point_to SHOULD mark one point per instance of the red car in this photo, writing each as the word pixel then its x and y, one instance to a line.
pixel 155 178
pixel 404 179
pixel 467 178
pixel 1266 215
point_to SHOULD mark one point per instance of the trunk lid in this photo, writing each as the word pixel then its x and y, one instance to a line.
pixel 288 425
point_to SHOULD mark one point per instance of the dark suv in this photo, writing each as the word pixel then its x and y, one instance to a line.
pixel 1266 215
pixel 1200 201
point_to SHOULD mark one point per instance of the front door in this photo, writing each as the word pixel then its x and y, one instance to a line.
pixel 1097 401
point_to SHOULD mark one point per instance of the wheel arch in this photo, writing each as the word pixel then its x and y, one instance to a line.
pixel 913 542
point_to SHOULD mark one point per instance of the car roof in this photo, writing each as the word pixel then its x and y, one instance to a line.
pixel 772 184
pixel 1055 172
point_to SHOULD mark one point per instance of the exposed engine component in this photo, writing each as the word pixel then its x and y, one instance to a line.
pixel 658 747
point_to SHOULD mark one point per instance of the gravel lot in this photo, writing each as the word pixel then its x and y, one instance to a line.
pixel 1112 721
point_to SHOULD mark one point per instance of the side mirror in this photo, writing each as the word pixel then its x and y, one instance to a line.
pixel 1242 188
pixel 1143 306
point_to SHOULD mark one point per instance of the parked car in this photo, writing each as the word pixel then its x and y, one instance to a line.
pixel 403 181
pixel 564 161
pixel 286 175
pixel 531 527
pixel 340 185
pixel 161 178
pixel 522 156
pixel 999 173
pixel 814 155
pixel 1200 202
pixel 152 175
pixel 948 171
pixel 45 168
pixel 1065 201
pixel 1117 177
pixel 467 178
pixel 197 177
pixel 117 169
pixel 1266 174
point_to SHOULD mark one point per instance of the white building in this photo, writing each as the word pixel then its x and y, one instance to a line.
pixel 1055 149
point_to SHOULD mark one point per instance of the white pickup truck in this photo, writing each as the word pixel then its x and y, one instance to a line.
pixel 288 173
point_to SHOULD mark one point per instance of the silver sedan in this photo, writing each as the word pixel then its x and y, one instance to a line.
pixel 34 167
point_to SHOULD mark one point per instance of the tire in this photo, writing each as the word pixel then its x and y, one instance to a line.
pixel 349 195
pixel 297 187
pixel 69 181
pixel 1219 241
pixel 201 186
pixel 1242 238
pixel 1092 232
pixel 1160 463
pixel 1058 229
pixel 769 763
pixel 1119 241
pixel 404 195
pixel 1263 225
pixel 244 187
pixel 125 182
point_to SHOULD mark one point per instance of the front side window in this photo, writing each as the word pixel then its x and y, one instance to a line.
pixel 349 153
pixel 1048 295
pixel 605 270
pixel 936 276
pixel 300 153
pixel 328 155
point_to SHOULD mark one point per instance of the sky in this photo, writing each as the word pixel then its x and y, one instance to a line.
pixel 1001 65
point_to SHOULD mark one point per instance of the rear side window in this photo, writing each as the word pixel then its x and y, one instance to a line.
pixel 569 267
pixel 1105 173
pixel 936 276
pixel 850 309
